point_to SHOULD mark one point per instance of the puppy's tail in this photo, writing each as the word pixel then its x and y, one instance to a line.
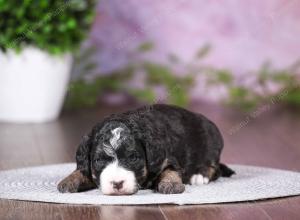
pixel 225 171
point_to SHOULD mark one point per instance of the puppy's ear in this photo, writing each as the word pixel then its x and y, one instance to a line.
pixel 155 157
pixel 154 151
pixel 83 155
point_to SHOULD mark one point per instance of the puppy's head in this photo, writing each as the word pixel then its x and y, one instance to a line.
pixel 118 162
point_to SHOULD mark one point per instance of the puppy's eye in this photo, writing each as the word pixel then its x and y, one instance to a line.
pixel 98 161
pixel 133 157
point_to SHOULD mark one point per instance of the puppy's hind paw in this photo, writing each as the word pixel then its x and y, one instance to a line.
pixel 198 180
pixel 67 186
pixel 170 188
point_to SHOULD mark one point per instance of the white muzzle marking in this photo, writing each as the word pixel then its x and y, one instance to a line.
pixel 116 180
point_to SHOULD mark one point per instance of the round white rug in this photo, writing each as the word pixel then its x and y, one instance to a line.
pixel 250 183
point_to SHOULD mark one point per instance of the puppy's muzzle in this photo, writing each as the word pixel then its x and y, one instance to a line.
pixel 116 180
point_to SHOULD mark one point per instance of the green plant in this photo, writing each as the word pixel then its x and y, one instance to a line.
pixel 52 25
pixel 240 95
pixel 83 93
pixel 249 97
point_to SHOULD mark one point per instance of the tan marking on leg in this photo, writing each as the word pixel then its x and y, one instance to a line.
pixel 144 175
pixel 145 172
pixel 211 172
pixel 170 176
pixel 75 182
pixel 170 182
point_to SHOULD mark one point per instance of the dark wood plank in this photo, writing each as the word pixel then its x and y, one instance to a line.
pixel 287 208
pixel 215 212
pixel 11 210
pixel 282 208
pixel 17 210
pixel 131 212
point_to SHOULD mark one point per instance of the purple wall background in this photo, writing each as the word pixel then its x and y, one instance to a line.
pixel 243 34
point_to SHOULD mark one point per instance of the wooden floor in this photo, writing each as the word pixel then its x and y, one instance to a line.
pixel 269 138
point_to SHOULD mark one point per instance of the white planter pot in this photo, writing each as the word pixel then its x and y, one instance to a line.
pixel 33 85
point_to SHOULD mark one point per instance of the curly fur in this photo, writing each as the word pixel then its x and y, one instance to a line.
pixel 151 139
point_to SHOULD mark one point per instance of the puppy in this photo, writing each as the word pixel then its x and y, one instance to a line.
pixel 158 147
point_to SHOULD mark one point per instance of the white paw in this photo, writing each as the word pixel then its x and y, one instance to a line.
pixel 198 179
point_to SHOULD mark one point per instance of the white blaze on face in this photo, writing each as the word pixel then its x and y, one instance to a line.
pixel 115 139
pixel 113 174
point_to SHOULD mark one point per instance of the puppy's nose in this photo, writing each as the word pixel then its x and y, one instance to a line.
pixel 118 185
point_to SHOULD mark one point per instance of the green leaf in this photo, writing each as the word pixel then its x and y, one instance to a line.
pixel 47 29
pixel 238 92
pixel 54 26
pixel 224 76
pixel 292 97
pixel 82 94
pixel 282 76
pixel 146 94
pixel 202 52
pixel 145 47
pixel 157 74
pixel 71 23
pixel 178 97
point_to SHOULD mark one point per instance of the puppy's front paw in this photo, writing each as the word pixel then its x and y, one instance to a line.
pixel 68 185
pixel 170 188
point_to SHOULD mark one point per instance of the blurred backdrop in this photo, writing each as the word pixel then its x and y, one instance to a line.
pixel 238 53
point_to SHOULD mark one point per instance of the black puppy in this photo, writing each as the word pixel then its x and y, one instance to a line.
pixel 157 147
